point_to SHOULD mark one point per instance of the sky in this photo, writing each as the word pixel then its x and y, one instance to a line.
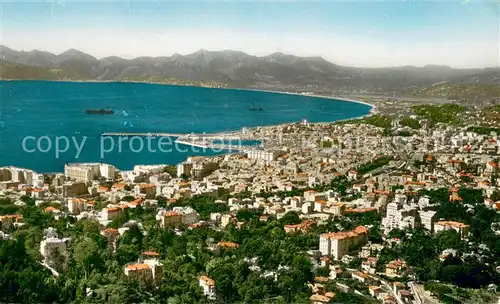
pixel 460 34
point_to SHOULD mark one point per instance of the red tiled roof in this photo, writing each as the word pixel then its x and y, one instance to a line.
pixel 207 280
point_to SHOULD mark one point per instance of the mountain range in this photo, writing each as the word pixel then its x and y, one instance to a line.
pixel 235 69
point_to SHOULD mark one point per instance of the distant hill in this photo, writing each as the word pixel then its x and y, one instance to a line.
pixel 236 69
pixel 10 70
pixel 460 91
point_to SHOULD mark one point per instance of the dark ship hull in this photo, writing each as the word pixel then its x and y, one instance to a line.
pixel 100 111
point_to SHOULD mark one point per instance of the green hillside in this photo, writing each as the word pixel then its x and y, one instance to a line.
pixel 13 71
pixel 467 91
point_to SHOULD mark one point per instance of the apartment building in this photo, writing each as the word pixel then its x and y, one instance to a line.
pixel 177 216
pixel 147 270
pixel 460 228
pixel 427 219
pixel 87 172
pixel 77 205
pixel 80 172
pixel 262 155
pixel 338 244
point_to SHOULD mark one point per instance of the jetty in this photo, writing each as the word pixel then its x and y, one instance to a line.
pixel 229 135
pixel 131 134
pixel 200 140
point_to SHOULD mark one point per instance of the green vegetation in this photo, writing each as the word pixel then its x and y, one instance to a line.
pixel 203 204
pixel 460 91
pixel 453 294
pixel 438 290
pixel 9 70
pixel 172 170
pixel 381 121
pixel 326 144
pixel 483 130
pixel 377 120
pixel 377 163
pixel 446 113
pixel 404 133
pixel 410 122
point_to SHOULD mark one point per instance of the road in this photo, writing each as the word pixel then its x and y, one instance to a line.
pixel 423 295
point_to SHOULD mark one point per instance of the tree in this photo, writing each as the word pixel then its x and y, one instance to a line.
pixel 171 170
pixel 437 290
pixel 127 254
pixel 448 239
pixel 396 233
pixel 290 218
pixel 86 253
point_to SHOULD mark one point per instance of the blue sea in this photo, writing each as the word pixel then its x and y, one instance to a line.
pixel 39 118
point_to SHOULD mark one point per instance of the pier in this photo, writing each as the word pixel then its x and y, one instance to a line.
pixel 201 140
pixel 229 135
pixel 129 134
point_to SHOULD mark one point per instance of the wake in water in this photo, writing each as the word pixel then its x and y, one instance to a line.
pixel 124 113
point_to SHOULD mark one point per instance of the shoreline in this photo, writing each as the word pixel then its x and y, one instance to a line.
pixel 372 106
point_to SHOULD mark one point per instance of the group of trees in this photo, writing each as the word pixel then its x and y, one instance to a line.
pixel 483 130
pixel 377 163
pixel 446 113
pixel 410 122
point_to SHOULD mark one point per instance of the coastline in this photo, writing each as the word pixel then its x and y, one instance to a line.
pixel 372 106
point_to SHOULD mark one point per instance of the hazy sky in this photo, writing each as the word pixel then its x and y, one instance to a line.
pixel 388 33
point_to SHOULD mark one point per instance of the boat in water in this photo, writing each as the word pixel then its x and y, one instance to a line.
pixel 256 109
pixel 99 111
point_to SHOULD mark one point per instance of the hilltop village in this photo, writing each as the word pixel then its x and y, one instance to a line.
pixel 383 209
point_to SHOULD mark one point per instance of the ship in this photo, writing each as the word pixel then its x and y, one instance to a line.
pixel 99 111
pixel 256 109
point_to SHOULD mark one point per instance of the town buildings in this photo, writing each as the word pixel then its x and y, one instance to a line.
pixel 148 269
pixel 338 244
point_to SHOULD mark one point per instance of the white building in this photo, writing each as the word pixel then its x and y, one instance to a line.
pixel 177 216
pixel 189 215
pixel 21 175
pixel 87 172
pixel 147 269
pixel 399 215
pixel 107 171
pixel 54 250
pixel 110 213
pixel 76 205
pixel 208 286
pixel 38 180
pixel 338 244
pixel 81 172
pixel 262 155
pixel 427 219
pixel 184 169
pixel 148 169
